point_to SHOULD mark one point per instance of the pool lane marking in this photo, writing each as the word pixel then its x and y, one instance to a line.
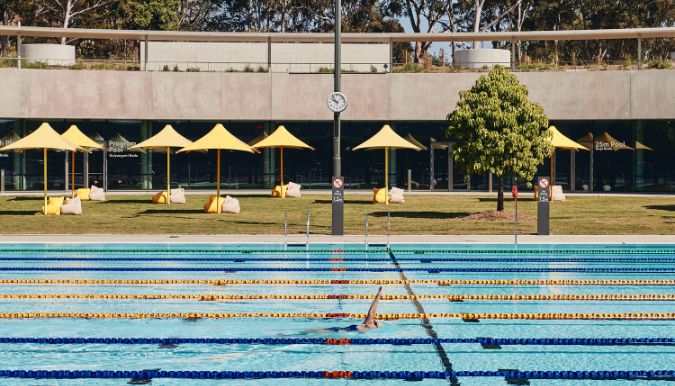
pixel 439 282
pixel 339 315
pixel 358 259
pixel 409 296
pixel 428 328
pixel 601 342
pixel 431 270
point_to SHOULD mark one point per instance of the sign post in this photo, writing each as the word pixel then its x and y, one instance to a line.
pixel 543 206
pixel 338 201
pixel 337 209
pixel 514 192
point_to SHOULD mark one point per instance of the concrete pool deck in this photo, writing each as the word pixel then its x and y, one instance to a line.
pixel 326 239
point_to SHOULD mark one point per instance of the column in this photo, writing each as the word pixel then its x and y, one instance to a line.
pixel 392 167
pixel 146 157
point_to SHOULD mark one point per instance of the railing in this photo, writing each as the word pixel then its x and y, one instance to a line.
pixel 321 67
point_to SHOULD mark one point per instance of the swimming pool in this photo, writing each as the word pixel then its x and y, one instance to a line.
pixel 189 311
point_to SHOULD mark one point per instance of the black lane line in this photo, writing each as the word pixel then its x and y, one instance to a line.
pixel 425 322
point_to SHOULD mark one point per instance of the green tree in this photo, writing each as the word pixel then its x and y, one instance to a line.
pixel 498 130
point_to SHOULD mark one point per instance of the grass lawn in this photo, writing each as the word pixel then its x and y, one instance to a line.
pixel 419 215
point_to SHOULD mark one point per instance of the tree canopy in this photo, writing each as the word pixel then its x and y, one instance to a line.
pixel 497 130
pixel 367 16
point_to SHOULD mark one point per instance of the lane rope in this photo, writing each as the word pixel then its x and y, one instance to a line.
pixel 349 341
pixel 339 374
pixel 451 297
pixel 340 269
pixel 220 282
pixel 557 250
pixel 338 315
pixel 357 259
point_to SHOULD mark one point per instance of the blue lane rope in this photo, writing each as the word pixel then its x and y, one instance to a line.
pixel 370 250
pixel 404 375
pixel 351 341
pixel 342 269
pixel 359 259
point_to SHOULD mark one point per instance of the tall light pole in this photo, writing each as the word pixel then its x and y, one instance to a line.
pixel 337 102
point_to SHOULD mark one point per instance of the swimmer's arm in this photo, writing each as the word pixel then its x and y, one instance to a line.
pixel 373 308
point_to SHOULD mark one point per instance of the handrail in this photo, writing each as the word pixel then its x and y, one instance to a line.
pixel 309 37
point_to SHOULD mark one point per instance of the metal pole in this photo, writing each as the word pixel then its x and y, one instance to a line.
pixel 365 233
pixel 337 229
pixel 490 182
pixel 431 165
pixel 451 170
pixel 307 231
pixel 2 183
pixel 573 170
pixel 516 225
pixel 269 54
pixel 639 53
pixel 388 225
pixel 18 49
pixel 285 230
pixel 409 180
pixel 513 55
pixel 145 56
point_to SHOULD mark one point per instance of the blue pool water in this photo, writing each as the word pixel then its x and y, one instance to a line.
pixel 414 262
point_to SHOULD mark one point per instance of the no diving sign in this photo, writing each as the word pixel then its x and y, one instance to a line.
pixel 338 199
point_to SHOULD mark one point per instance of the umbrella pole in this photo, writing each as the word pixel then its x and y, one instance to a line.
pixel 168 175
pixel 386 175
pixel 44 176
pixel 218 183
pixel 72 175
pixel 281 152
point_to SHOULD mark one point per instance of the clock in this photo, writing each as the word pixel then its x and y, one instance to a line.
pixel 337 102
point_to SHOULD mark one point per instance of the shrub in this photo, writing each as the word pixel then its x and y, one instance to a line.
pixel 261 69
pixel 659 64
pixel 176 69
pixel 248 68
pixel 326 70
pixel 373 68
pixel 192 69
pixel 412 67
pixel 166 68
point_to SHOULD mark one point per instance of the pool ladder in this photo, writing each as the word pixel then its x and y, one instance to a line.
pixel 309 218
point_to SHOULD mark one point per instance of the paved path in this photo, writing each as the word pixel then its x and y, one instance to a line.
pixel 324 239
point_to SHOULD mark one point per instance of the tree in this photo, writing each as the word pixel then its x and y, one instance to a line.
pixel 67 11
pixel 498 130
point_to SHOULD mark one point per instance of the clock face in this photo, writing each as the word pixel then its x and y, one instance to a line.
pixel 337 102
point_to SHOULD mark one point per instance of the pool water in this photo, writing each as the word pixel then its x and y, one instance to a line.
pixel 425 265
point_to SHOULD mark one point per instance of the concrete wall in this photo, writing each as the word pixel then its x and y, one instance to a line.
pixel 286 57
pixel 482 58
pixel 70 94
pixel 51 54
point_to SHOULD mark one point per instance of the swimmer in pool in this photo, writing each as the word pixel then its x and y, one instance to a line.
pixel 368 323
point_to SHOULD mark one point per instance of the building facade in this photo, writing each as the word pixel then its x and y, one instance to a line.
pixel 634 109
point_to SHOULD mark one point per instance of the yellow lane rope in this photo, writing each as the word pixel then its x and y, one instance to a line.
pixel 613 282
pixel 197 315
pixel 453 297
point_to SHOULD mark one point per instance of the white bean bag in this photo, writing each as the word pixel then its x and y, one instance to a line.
pixel 293 190
pixel 557 192
pixel 72 206
pixel 96 194
pixel 231 205
pixel 396 195
pixel 178 196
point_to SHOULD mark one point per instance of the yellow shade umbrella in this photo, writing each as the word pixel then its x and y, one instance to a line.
pixel 163 142
pixel 218 139
pixel 415 142
pixel 44 138
pixel 74 135
pixel 282 138
pixel 560 141
pixel 641 146
pixel 385 139
pixel 11 137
